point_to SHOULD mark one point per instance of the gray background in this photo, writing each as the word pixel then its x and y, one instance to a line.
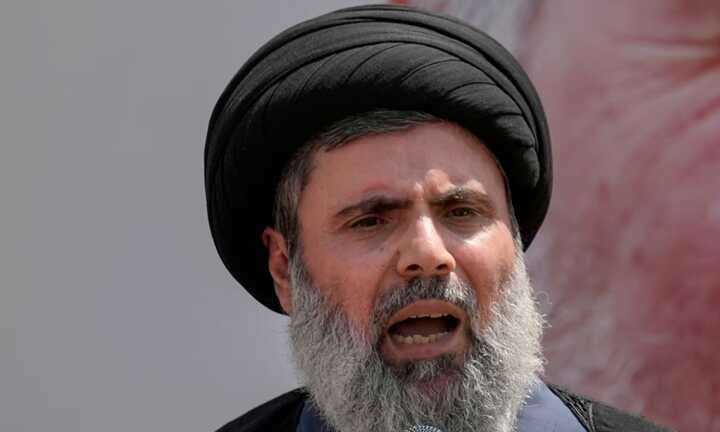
pixel 115 312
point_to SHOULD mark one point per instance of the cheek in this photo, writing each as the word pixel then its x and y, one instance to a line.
pixel 348 278
pixel 485 264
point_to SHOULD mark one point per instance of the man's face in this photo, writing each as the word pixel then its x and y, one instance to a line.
pixel 409 296
pixel 386 209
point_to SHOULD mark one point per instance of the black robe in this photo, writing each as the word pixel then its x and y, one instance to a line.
pixel 282 414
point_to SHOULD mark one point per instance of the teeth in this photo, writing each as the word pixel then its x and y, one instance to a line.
pixel 435 315
pixel 418 339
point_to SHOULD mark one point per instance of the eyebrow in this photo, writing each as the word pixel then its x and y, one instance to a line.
pixel 462 194
pixel 375 204
pixel 384 203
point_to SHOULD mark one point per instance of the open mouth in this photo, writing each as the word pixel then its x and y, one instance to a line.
pixel 424 328
pixel 425 323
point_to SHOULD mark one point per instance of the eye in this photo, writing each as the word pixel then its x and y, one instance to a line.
pixel 367 222
pixel 462 212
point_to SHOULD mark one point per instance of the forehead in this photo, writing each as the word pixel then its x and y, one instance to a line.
pixel 428 159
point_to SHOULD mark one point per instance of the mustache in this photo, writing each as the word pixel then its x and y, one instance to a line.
pixel 445 288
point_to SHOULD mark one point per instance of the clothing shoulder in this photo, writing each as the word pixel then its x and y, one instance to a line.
pixel 280 414
pixel 599 417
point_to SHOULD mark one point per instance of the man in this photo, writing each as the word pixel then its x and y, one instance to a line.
pixel 394 164
pixel 631 89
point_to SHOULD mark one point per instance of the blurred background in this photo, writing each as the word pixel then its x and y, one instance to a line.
pixel 116 313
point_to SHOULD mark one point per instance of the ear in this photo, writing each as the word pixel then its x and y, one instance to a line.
pixel 279 266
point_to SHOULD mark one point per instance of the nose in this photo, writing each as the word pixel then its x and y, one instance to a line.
pixel 423 252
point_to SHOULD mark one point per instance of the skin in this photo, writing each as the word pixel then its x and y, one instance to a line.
pixel 377 212
pixel 629 252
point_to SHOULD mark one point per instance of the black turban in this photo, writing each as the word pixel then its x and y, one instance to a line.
pixel 349 62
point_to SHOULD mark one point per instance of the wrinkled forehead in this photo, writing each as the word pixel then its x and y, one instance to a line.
pixel 423 162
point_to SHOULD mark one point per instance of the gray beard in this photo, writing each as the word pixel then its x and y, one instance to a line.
pixel 355 390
